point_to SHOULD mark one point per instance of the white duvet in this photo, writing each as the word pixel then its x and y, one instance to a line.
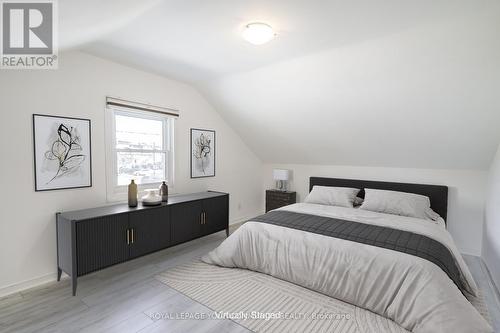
pixel 409 290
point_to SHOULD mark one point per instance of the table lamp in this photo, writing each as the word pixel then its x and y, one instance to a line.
pixel 281 176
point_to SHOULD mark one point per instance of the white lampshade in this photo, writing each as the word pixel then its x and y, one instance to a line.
pixel 281 174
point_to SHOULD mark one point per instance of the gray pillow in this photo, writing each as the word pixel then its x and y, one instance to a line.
pixel 332 196
pixel 399 203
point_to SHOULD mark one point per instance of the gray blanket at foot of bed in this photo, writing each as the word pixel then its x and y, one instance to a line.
pixel 393 239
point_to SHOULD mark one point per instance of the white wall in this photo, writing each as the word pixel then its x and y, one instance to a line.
pixel 78 89
pixel 465 198
pixel 491 232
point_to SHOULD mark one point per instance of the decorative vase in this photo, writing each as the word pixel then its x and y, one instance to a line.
pixel 152 198
pixel 164 192
pixel 132 194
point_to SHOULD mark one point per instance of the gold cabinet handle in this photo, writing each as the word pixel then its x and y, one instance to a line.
pixel 133 236
pixel 204 218
pixel 128 236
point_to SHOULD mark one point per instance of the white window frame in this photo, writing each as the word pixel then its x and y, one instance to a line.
pixel 117 192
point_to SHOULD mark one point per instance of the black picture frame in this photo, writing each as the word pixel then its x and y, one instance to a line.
pixel 192 132
pixel 37 183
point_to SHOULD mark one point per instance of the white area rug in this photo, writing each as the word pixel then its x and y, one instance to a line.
pixel 239 293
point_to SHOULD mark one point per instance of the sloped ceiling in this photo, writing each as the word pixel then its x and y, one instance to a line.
pixel 371 83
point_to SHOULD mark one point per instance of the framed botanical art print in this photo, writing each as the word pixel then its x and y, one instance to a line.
pixel 202 153
pixel 62 152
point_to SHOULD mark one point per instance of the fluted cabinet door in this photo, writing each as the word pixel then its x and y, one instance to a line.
pixel 151 231
pixel 101 242
pixel 216 214
pixel 186 221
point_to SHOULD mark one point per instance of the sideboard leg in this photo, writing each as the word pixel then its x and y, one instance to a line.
pixel 227 231
pixel 59 273
pixel 73 284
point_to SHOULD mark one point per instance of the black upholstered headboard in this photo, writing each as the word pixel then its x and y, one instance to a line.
pixel 437 194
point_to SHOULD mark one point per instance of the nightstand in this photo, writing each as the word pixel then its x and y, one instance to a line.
pixel 276 199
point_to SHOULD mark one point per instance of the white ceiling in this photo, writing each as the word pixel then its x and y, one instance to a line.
pixel 358 82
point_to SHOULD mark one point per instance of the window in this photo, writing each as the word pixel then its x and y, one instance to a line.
pixel 139 147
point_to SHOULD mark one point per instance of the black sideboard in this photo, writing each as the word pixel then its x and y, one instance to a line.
pixel 91 239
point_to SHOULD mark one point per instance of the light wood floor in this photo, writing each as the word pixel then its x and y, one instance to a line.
pixel 122 299
pixel 484 282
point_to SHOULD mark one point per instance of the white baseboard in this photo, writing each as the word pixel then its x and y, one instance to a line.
pixel 27 284
pixel 244 218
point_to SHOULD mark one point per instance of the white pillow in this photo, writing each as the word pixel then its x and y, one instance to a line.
pixel 332 196
pixel 399 203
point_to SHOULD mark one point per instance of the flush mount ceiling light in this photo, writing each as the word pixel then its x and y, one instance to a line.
pixel 258 33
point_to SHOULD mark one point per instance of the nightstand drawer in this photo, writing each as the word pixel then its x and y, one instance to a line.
pixel 276 199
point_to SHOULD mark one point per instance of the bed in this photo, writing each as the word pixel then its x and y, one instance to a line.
pixel 403 268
